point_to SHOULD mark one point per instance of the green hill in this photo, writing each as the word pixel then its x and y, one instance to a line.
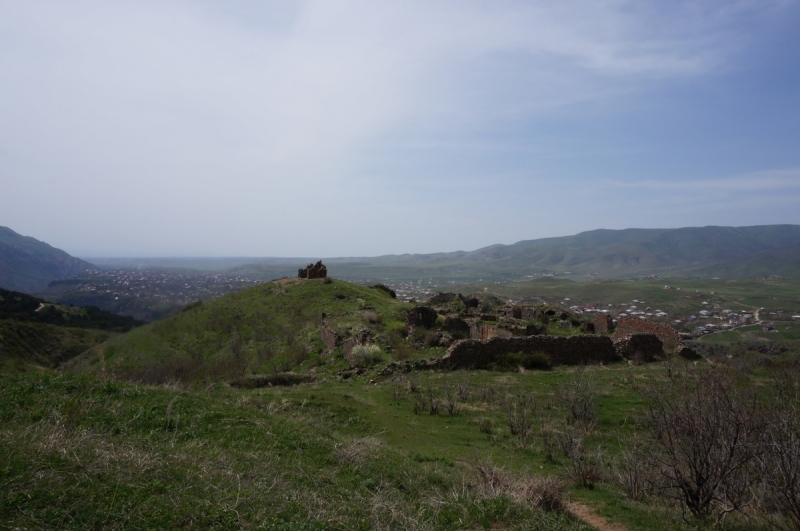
pixel 273 327
pixel 28 265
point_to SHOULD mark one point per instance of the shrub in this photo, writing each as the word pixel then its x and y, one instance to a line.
pixel 431 338
pixel 706 435
pixel 520 413
pixel 631 472
pixel 373 318
pixel 584 468
pixel 546 493
pixel 327 280
pixel 581 397
pixel 365 355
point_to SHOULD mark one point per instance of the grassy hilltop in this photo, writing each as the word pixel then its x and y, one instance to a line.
pixel 266 329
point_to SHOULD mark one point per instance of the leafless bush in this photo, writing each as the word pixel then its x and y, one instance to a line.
pixel 547 493
pixel 427 401
pixel 584 467
pixel 357 451
pixel 433 402
pixel 451 398
pixel 399 387
pixel 488 394
pixel 549 443
pixel 520 411
pixel 568 442
pixel 580 396
pixel 486 425
pixel 463 386
pixel 414 384
pixel 706 432
pixel 780 466
pixel 491 479
pixel 630 471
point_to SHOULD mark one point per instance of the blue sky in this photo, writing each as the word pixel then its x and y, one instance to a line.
pixel 365 128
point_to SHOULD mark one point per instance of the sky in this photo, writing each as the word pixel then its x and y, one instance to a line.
pixel 360 128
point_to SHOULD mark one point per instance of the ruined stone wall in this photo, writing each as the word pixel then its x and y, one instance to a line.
pixel 330 338
pixel 318 270
pixel 627 326
pixel 421 316
pixel 483 330
pixel 641 348
pixel 602 323
pixel 523 312
pixel 473 353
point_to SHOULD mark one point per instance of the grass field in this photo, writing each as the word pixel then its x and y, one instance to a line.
pixel 88 453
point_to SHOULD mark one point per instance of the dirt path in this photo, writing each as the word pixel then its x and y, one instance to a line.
pixel 588 516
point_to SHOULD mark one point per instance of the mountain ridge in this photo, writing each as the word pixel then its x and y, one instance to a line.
pixel 29 265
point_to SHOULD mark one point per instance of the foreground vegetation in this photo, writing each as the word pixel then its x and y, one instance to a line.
pixel 418 450
pixel 83 453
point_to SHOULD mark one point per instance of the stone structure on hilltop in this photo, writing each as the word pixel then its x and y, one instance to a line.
pixel 317 270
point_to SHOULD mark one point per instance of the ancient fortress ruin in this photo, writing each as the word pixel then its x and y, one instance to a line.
pixel 480 336
pixel 311 271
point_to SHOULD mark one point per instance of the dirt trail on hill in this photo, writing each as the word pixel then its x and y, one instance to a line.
pixel 588 516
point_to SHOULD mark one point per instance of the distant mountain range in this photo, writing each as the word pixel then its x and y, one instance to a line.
pixel 29 265
pixel 704 252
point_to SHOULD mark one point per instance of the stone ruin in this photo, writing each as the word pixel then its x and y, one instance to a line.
pixel 568 350
pixel 333 340
pixel 627 326
pixel 317 270
pixel 640 348
pixel 603 324
pixel 510 330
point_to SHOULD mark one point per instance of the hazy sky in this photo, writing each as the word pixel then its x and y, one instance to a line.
pixel 171 128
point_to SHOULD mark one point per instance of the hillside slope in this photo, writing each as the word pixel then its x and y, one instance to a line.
pixel 33 331
pixel 28 265
pixel 273 327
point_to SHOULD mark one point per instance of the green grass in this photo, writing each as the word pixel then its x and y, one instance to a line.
pixel 273 327
pixel 83 453
pixel 44 345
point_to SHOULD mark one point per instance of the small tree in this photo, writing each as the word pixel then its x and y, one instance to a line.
pixel 706 433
